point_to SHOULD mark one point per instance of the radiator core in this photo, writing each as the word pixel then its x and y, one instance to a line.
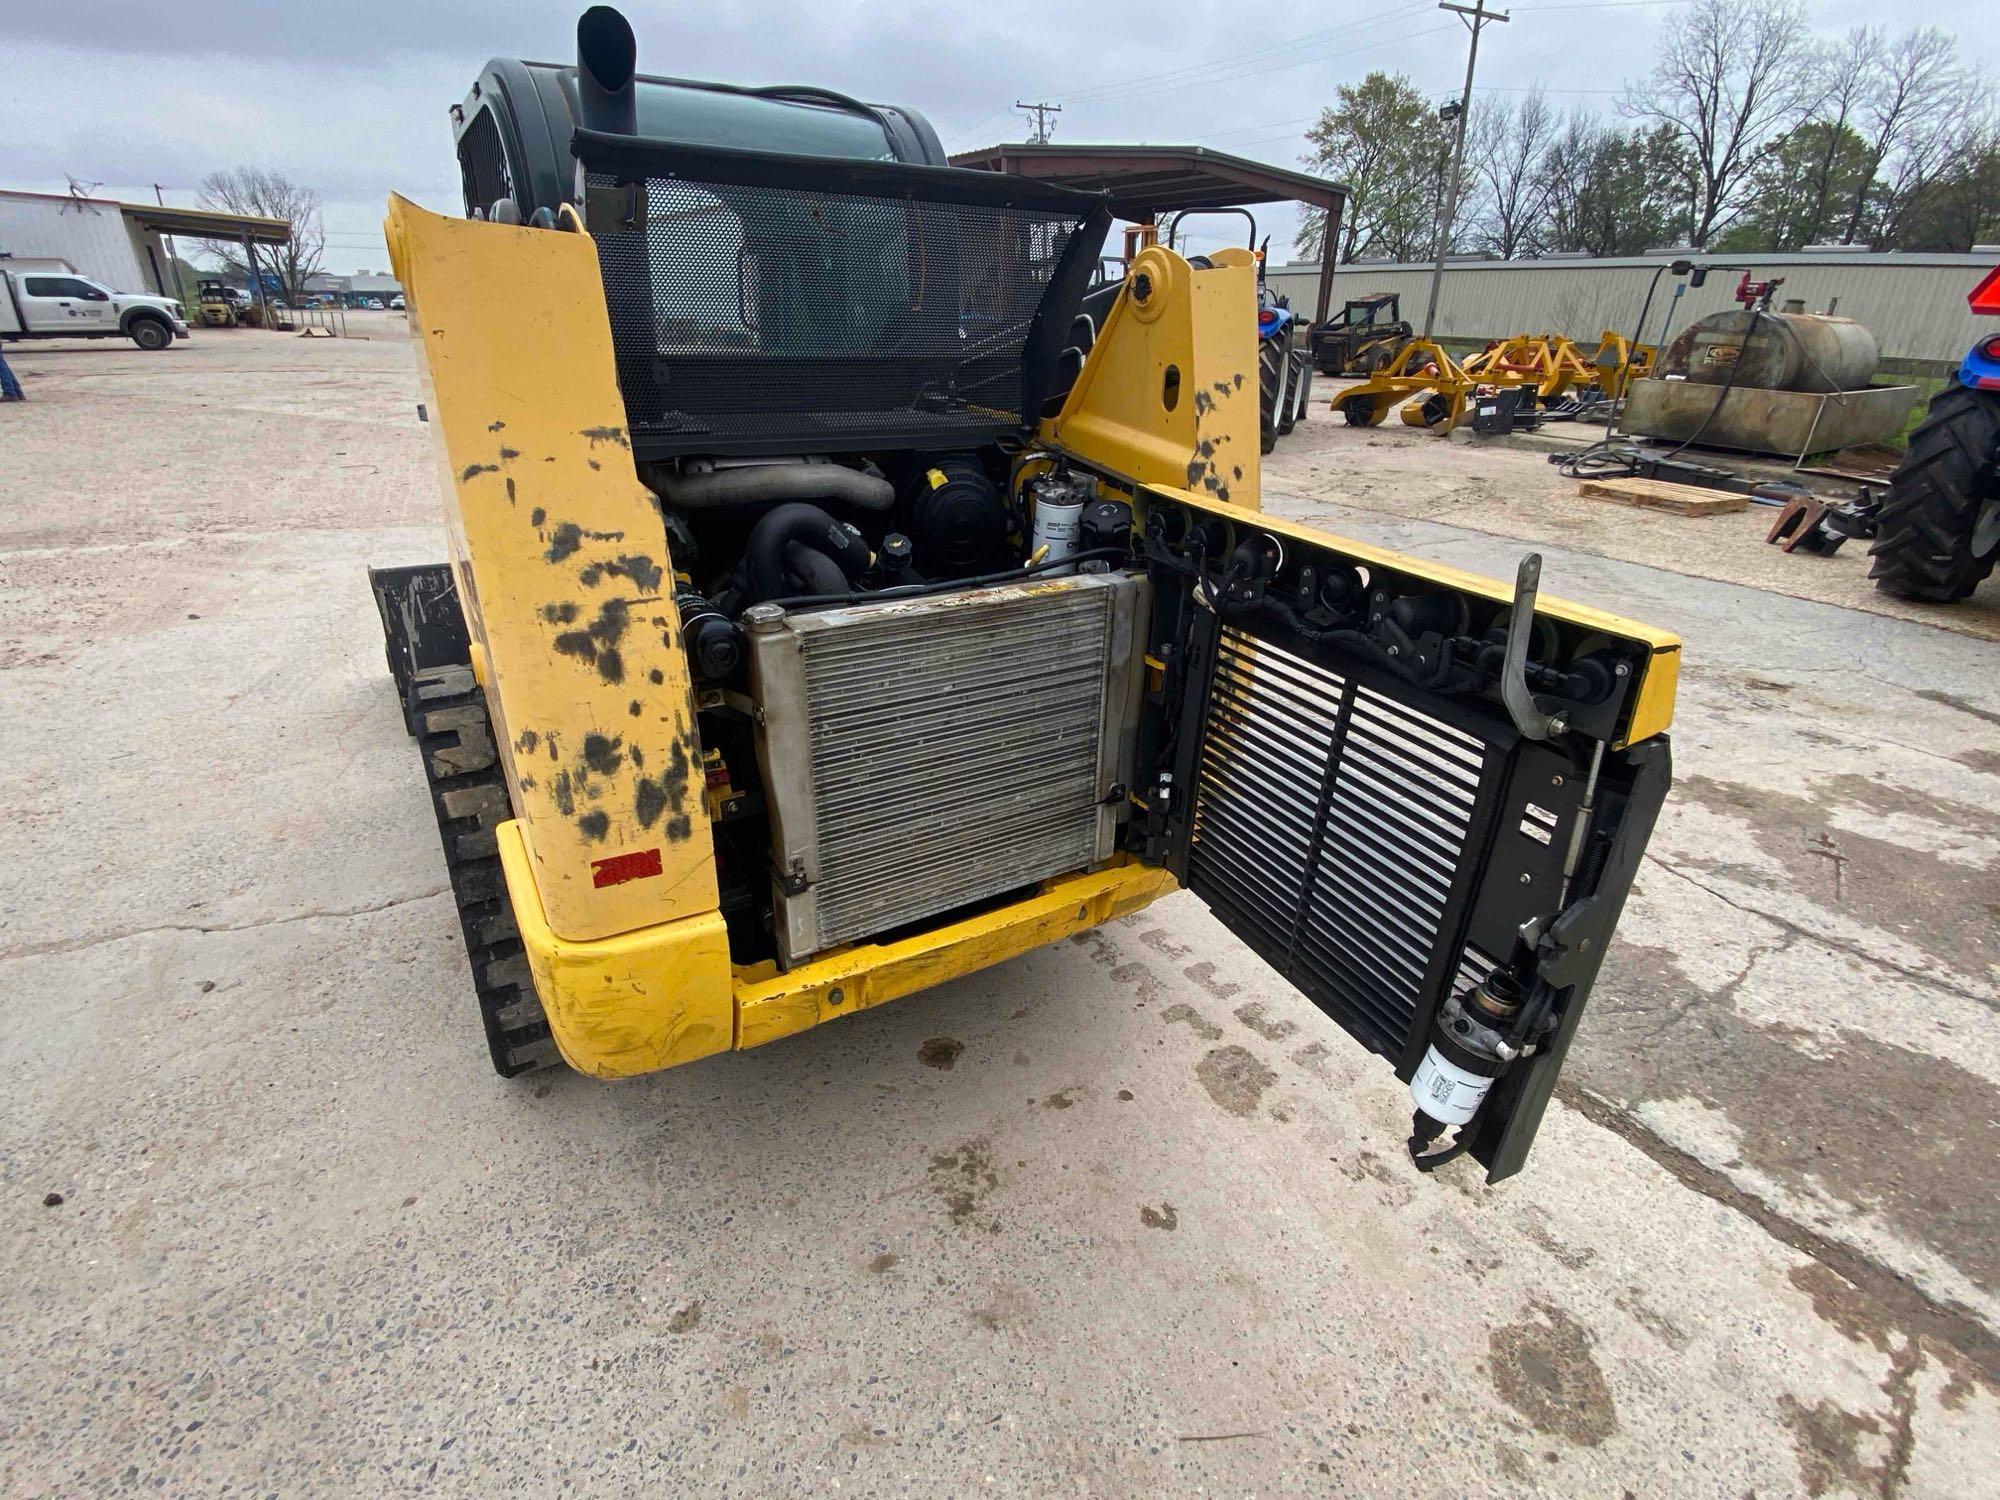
pixel 930 753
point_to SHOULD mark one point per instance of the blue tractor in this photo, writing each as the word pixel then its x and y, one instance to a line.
pixel 1940 527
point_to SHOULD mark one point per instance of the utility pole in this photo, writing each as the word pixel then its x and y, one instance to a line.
pixel 1041 112
pixel 1480 16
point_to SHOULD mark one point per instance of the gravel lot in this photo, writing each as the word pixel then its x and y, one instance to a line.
pixel 1123 1216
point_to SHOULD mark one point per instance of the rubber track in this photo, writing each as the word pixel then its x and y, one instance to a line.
pixel 1924 547
pixel 469 797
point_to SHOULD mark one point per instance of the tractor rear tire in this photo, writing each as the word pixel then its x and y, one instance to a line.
pixel 1940 527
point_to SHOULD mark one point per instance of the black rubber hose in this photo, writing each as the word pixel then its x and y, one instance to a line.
pixel 767 552
pixel 813 570
pixel 949 585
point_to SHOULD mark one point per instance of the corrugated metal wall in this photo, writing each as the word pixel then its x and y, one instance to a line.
pixel 91 237
pixel 1914 304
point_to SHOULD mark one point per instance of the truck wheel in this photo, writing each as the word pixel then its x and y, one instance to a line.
pixel 150 333
pixel 1940 531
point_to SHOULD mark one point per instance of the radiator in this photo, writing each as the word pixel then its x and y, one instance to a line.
pixel 925 755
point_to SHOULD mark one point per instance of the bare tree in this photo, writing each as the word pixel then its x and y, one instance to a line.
pixel 1510 148
pixel 270 195
pixel 1913 113
pixel 1848 69
pixel 1733 77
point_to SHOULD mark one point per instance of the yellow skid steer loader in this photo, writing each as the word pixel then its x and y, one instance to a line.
pixel 831 612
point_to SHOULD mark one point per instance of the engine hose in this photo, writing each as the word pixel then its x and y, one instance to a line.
pixel 919 590
pixel 768 552
pixel 751 484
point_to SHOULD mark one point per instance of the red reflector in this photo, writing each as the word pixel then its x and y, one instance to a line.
pixel 1985 298
pixel 1991 348
pixel 1989 382
pixel 620 868
pixel 718 776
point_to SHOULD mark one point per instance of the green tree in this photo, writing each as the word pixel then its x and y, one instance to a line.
pixel 1959 207
pixel 1613 192
pixel 1380 138
pixel 1801 190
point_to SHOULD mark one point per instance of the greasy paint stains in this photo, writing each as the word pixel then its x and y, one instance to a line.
pixel 598 435
pixel 641 569
pixel 563 542
pixel 1235 1078
pixel 1186 1015
pixel 472 471
pixel 595 825
pixel 1252 1015
pixel 537 516
pixel 964 1178
pixel 508 455
pixel 648 802
pixel 1542 1366
pixel 598 642
pixel 940 1052
pixel 560 614
pixel 603 753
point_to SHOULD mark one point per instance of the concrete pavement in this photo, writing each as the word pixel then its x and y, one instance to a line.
pixel 1124 1215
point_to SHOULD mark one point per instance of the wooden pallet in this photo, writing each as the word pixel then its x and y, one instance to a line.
pixel 1657 494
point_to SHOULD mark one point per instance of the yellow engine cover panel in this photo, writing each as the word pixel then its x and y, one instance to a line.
pixel 562 570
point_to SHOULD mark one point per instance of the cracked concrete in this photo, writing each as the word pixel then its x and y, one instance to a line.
pixel 306 1243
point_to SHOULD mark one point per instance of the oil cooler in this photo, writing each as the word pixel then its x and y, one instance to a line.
pixel 926 754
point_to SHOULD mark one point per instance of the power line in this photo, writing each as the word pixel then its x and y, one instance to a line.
pixel 1299 62
pixel 1228 64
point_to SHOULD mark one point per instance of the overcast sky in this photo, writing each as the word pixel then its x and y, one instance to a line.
pixel 350 96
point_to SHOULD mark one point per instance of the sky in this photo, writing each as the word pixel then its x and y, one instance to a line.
pixel 351 96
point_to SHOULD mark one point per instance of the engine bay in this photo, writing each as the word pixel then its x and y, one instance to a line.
pixel 951 767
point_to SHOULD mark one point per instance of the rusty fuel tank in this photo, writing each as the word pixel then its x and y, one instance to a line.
pixel 1788 351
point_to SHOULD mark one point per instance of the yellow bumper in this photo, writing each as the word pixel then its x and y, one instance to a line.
pixel 668 994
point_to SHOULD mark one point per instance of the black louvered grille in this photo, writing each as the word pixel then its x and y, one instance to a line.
pixel 482 164
pixel 747 313
pixel 1333 829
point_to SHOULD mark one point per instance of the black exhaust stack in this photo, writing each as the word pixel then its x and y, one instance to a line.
pixel 607 58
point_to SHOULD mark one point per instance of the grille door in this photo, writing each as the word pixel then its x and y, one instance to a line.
pixel 1376 843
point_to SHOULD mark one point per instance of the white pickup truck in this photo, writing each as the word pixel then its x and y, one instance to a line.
pixel 44 303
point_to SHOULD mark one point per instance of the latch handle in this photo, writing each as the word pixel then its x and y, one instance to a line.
pixel 1521 706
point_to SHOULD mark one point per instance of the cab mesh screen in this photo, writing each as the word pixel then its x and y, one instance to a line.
pixel 754 316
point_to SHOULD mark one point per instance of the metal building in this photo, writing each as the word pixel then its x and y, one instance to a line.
pixel 116 243
pixel 1914 303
